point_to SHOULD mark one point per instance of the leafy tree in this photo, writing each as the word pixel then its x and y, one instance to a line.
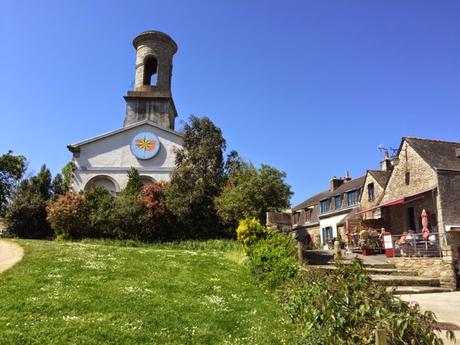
pixel 26 215
pixel 12 169
pixel 58 185
pixel 134 185
pixel 198 178
pixel 66 172
pixel 251 193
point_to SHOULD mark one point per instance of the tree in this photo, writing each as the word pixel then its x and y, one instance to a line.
pixel 198 178
pixel 251 193
pixel 58 185
pixel 134 185
pixel 12 169
pixel 66 172
pixel 26 214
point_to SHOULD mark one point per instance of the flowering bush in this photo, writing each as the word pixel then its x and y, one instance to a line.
pixel 66 216
pixel 250 231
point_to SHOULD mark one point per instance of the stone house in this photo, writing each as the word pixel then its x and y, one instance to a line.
pixel 425 176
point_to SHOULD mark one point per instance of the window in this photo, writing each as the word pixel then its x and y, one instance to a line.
pixel 328 234
pixel 352 198
pixel 338 202
pixel 407 177
pixel 325 205
pixel 308 216
pixel 371 191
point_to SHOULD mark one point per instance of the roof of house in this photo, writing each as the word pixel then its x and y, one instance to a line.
pixel 311 201
pixel 438 154
pixel 347 186
pixel 315 199
pixel 380 176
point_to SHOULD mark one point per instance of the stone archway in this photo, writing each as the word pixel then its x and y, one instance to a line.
pixel 146 179
pixel 103 181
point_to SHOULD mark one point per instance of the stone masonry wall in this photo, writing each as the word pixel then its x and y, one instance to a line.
pixel 365 203
pixel 439 268
pixel 422 176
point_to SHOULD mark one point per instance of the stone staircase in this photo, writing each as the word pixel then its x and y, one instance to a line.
pixel 402 281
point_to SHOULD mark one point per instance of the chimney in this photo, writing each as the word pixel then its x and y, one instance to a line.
pixel 347 177
pixel 336 182
pixel 457 152
pixel 385 164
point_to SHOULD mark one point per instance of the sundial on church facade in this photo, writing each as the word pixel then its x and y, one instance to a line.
pixel 145 145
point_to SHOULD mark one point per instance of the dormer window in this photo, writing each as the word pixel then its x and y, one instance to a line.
pixel 338 202
pixel 325 205
pixel 352 198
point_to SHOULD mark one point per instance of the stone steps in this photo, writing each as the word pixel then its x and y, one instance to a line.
pixel 412 290
pixel 391 280
pixel 371 270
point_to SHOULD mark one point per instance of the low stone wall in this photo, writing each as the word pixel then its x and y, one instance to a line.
pixel 439 268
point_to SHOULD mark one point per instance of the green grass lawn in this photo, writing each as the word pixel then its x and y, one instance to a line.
pixel 96 293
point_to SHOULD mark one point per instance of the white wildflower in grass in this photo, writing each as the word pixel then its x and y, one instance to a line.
pixel 68 318
pixel 214 299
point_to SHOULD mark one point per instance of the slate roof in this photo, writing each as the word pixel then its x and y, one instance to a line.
pixel 438 154
pixel 380 176
pixel 350 185
pixel 311 201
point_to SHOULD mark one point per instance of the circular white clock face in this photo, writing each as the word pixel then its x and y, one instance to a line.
pixel 145 145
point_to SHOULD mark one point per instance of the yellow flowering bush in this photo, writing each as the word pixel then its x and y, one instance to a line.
pixel 250 231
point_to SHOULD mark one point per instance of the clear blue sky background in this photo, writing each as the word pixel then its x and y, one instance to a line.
pixel 310 87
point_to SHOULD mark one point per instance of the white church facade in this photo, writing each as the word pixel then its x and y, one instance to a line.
pixel 147 141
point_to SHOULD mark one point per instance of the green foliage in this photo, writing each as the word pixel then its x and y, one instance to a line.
pixel 134 185
pixel 67 172
pixel 98 211
pixel 128 218
pixel 159 222
pixel 250 231
pixel 273 260
pixel 252 192
pixel 345 307
pixel 12 169
pixel 66 216
pixel 26 215
pixel 198 178
pixel 58 186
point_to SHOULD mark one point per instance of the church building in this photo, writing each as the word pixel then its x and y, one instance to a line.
pixel 147 141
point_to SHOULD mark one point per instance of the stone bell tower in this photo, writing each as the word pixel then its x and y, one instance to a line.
pixel 151 98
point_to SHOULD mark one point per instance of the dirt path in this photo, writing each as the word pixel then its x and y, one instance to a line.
pixel 10 254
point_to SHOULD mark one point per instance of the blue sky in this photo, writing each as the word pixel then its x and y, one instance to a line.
pixel 310 87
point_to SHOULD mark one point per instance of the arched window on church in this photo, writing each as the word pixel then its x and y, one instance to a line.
pixel 150 71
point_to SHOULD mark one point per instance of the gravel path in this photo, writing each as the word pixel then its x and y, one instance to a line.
pixel 10 254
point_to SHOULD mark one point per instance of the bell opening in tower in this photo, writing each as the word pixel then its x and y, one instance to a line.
pixel 150 71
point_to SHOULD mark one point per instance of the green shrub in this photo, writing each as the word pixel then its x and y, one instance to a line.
pixel 99 209
pixel 273 260
pixel 345 307
pixel 250 231
pixel 66 216
pixel 128 219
